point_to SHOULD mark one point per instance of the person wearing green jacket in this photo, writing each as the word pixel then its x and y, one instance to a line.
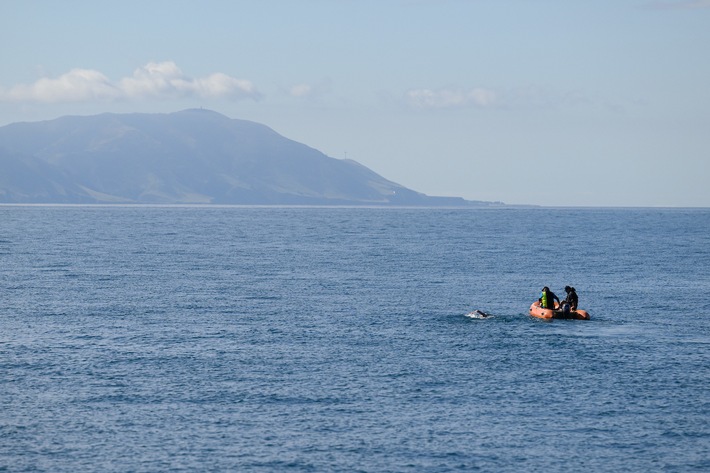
pixel 548 298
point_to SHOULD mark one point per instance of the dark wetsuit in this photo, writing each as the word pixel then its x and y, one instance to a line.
pixel 572 299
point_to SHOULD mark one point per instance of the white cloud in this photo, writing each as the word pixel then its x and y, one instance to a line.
pixel 310 91
pixel 451 98
pixel 301 90
pixel 77 85
pixel 524 97
pixel 162 80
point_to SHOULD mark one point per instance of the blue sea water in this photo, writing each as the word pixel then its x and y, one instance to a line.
pixel 145 339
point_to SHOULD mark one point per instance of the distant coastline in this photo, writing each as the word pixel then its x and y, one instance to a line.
pixel 195 157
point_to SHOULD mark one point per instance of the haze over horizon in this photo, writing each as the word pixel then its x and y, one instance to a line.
pixel 546 103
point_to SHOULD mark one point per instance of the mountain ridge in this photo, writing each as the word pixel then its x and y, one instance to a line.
pixel 193 156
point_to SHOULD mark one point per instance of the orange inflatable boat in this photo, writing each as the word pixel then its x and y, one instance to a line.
pixel 540 313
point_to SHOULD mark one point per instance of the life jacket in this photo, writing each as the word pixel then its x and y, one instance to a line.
pixel 544 297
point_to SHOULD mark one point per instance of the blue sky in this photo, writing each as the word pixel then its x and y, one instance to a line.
pixel 566 102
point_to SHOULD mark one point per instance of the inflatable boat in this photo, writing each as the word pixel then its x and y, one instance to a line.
pixel 556 313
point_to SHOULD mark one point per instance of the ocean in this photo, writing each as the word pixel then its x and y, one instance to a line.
pixel 256 339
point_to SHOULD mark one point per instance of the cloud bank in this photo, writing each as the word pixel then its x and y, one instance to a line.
pixel 310 91
pixel 450 98
pixel 159 81
pixel 526 97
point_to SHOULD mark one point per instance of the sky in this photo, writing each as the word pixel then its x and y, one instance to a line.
pixel 539 102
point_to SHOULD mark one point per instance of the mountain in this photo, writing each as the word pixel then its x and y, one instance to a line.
pixel 188 157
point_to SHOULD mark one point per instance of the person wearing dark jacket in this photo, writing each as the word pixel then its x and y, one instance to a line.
pixel 571 298
pixel 547 298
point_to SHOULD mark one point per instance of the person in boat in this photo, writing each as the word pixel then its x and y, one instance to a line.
pixel 571 298
pixel 548 298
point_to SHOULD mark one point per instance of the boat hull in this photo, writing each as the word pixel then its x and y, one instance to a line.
pixel 540 313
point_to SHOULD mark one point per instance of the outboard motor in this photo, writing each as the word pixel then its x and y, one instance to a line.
pixel 565 309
